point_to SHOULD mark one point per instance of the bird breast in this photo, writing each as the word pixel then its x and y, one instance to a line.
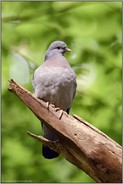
pixel 56 85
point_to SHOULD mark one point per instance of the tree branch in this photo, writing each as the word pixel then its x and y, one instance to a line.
pixel 79 142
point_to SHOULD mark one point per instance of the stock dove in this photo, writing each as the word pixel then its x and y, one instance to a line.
pixel 54 81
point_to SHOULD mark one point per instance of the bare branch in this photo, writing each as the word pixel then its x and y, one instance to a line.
pixel 79 142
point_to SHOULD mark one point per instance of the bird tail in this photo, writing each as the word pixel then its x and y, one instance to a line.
pixel 46 151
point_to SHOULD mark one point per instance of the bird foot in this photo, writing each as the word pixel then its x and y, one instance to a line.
pixel 66 113
pixel 52 105
pixel 61 112
pixel 56 109
pixel 47 105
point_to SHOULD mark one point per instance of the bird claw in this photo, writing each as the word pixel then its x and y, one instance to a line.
pixel 52 105
pixel 61 112
pixel 60 115
pixel 66 113
pixel 56 109
pixel 47 105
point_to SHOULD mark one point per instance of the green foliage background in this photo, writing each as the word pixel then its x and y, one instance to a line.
pixel 93 31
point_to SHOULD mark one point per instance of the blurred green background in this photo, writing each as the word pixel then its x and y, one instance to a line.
pixel 93 31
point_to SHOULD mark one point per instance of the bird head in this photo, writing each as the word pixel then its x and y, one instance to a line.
pixel 59 47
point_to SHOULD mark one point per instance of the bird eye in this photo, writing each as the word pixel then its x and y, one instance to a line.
pixel 58 47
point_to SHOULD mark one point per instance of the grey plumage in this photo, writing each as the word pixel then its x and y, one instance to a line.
pixel 54 81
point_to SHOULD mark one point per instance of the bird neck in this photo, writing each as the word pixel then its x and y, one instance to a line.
pixel 52 54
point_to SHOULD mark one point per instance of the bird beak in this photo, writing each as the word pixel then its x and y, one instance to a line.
pixel 67 49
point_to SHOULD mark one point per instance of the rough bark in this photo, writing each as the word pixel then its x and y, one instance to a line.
pixel 79 142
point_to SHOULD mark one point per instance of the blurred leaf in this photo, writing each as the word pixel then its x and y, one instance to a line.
pixel 93 31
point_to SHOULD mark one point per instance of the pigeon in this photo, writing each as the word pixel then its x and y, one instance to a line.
pixel 54 82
